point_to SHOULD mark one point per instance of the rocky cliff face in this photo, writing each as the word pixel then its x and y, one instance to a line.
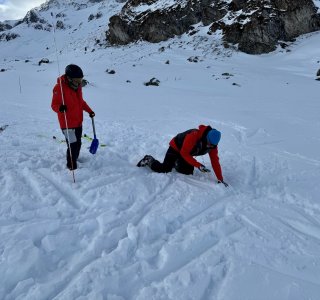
pixel 256 26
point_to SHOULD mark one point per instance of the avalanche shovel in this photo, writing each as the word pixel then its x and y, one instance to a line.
pixel 95 142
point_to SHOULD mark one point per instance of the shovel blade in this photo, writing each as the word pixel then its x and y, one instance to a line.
pixel 94 146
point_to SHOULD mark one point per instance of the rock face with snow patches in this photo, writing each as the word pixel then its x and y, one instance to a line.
pixel 255 26
pixel 4 26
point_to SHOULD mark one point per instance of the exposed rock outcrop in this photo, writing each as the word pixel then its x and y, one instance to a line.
pixel 255 25
pixel 33 19
pixel 156 21
pixel 258 26
pixel 4 26
pixel 8 36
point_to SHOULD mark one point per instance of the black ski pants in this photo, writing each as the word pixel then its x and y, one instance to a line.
pixel 173 159
pixel 75 149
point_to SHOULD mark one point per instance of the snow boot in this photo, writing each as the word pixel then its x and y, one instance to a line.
pixel 146 161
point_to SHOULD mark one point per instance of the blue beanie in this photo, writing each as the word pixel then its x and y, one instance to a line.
pixel 214 136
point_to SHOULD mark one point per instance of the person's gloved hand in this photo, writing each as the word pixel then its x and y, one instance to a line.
pixel 225 184
pixel 92 114
pixel 63 108
pixel 203 169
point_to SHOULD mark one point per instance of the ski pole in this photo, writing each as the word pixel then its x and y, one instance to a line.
pixel 94 129
pixel 63 102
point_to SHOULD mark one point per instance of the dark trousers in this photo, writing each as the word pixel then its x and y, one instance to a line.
pixel 75 149
pixel 173 159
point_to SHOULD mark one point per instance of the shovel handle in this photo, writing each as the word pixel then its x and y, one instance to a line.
pixel 94 128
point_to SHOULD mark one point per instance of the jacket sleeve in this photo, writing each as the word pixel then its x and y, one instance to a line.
pixel 56 98
pixel 85 106
pixel 188 143
pixel 215 163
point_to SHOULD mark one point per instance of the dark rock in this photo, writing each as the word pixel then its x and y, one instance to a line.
pixel 31 17
pixel 194 59
pixel 111 71
pixel 60 15
pixel 280 20
pixel 8 36
pixel 318 73
pixel 283 45
pixel 4 26
pixel 157 25
pixel 43 61
pixel 2 128
pixel 38 26
pixel 153 81
pixel 60 25
pixel 92 16
pixel 256 26
pixel 227 74
pixel 3 70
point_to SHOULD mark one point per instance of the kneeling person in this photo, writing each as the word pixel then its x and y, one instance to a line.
pixel 182 148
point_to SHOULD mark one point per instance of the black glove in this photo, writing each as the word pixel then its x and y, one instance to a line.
pixel 92 114
pixel 63 108
pixel 225 184
pixel 203 169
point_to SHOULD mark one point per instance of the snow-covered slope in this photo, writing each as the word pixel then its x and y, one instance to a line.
pixel 122 232
pixel 81 26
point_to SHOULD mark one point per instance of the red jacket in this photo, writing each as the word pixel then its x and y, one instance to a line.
pixel 194 143
pixel 74 102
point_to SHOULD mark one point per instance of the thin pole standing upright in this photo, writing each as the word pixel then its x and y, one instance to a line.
pixel 20 85
pixel 61 89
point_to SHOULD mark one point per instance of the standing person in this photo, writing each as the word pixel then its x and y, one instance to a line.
pixel 182 148
pixel 70 109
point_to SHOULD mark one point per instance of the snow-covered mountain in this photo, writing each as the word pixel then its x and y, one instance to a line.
pixel 80 24
pixel 251 26
pixel 122 232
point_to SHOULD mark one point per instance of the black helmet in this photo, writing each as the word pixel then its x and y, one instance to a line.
pixel 73 71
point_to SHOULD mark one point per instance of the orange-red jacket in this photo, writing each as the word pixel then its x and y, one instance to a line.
pixel 74 102
pixel 193 142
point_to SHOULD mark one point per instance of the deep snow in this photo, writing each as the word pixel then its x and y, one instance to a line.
pixel 122 232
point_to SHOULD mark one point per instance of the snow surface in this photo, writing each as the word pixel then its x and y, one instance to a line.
pixel 157 5
pixel 122 232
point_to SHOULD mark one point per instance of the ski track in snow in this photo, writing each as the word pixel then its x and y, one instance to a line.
pixel 116 215
pixel 123 218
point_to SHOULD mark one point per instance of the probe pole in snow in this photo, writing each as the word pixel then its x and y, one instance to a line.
pixel 65 113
